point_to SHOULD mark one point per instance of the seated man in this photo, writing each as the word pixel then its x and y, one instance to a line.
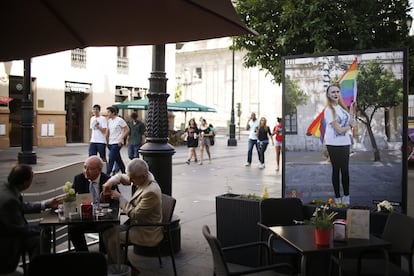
pixel 144 207
pixel 16 235
pixel 90 181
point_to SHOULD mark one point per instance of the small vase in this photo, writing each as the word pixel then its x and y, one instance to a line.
pixel 323 237
pixel 69 207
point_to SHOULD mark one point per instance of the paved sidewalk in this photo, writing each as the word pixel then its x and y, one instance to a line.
pixel 195 188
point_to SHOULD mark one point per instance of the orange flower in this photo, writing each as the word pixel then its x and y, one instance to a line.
pixel 330 201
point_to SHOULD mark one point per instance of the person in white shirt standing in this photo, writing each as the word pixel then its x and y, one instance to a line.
pixel 338 139
pixel 98 126
pixel 115 134
pixel 252 127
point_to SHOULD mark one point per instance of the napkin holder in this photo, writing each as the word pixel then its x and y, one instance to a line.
pixel 339 230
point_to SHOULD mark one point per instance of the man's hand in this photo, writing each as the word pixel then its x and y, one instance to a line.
pixel 107 188
pixel 53 203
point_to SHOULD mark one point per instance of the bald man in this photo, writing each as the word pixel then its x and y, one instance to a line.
pixel 90 181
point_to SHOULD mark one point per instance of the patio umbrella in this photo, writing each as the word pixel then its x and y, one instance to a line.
pixel 187 106
pixel 138 104
pixel 38 27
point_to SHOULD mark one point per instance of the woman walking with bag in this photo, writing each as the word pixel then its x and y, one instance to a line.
pixel 205 140
pixel 192 140
pixel 263 135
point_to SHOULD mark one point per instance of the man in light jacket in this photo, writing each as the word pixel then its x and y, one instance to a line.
pixel 144 207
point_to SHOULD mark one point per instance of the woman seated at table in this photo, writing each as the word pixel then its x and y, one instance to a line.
pixel 90 181
pixel 144 207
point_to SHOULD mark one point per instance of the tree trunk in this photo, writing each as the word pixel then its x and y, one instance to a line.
pixel 374 145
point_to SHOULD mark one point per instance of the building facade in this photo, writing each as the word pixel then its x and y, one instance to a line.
pixel 66 85
pixel 204 74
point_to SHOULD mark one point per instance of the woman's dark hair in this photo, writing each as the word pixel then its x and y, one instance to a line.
pixel 19 174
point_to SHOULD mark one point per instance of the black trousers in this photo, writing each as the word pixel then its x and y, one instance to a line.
pixel 339 156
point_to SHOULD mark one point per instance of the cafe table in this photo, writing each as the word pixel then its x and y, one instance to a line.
pixel 302 238
pixel 105 216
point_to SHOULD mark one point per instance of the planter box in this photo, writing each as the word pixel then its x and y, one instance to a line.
pixel 237 219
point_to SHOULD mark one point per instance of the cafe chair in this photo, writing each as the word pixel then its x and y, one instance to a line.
pixel 399 231
pixel 223 268
pixel 280 212
pixel 168 205
pixel 68 264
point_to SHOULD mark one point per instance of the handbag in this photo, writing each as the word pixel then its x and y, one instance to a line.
pixel 212 140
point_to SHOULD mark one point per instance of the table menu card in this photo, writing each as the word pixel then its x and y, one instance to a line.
pixel 357 224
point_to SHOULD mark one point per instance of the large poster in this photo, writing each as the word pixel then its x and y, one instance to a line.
pixel 373 86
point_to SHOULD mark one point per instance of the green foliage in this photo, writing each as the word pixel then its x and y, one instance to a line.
pixel 178 93
pixel 294 96
pixel 377 87
pixel 322 218
pixel 293 27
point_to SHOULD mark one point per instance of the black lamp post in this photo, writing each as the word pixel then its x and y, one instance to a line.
pixel 156 151
pixel 232 141
pixel 27 155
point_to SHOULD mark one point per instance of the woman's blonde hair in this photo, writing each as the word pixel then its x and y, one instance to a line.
pixel 340 101
pixel 264 124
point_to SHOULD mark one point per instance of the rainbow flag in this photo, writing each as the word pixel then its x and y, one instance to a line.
pixel 348 85
pixel 317 127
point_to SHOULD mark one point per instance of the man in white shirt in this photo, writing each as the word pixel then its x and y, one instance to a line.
pixel 116 133
pixel 252 126
pixel 98 126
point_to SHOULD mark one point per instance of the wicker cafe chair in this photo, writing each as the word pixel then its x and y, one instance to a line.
pixel 68 264
pixel 221 267
pixel 168 205
pixel 280 212
pixel 399 231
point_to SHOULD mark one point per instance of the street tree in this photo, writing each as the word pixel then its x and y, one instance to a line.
pixel 293 27
pixel 378 89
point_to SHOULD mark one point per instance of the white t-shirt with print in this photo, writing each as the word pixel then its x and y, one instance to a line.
pixel 253 127
pixel 97 136
pixel 332 137
pixel 115 127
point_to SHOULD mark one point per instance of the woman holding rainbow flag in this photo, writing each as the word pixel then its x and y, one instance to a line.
pixel 338 139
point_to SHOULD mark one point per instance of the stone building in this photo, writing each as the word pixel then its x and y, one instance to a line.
pixel 66 85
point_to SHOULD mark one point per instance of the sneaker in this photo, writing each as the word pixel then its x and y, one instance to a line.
pixel 338 200
pixel 261 166
pixel 200 163
pixel 346 200
pixel 247 164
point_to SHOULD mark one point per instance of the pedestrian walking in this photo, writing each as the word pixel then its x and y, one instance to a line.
pixel 204 140
pixel 115 134
pixel 191 133
pixel 263 135
pixel 252 126
pixel 135 136
pixel 98 126
pixel 277 132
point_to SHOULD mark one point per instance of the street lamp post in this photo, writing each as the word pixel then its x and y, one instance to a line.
pixel 27 155
pixel 156 151
pixel 232 141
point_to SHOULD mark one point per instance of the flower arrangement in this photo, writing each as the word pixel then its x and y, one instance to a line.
pixel 385 206
pixel 69 191
pixel 322 219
